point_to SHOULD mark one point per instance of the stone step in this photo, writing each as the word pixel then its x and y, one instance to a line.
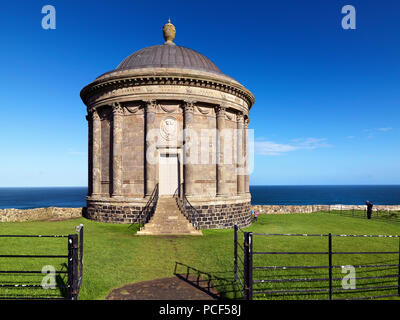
pixel 168 219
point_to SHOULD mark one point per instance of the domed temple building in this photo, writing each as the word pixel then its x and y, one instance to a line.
pixel 168 142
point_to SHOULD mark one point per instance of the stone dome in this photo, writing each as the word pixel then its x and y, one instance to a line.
pixel 168 56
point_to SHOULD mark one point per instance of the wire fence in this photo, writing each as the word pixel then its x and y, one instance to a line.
pixel 278 274
pixel 377 214
pixel 25 283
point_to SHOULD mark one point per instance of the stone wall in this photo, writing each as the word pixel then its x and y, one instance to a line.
pixel 114 213
pixel 223 216
pixel 276 209
pixel 39 214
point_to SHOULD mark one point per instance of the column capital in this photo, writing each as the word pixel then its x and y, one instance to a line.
pixel 94 114
pixel 246 123
pixel 220 110
pixel 150 105
pixel 240 117
pixel 117 108
pixel 188 105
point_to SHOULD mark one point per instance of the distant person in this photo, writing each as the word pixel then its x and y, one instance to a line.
pixel 255 215
pixel 369 208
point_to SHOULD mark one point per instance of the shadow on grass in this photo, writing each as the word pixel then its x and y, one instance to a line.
pixel 219 285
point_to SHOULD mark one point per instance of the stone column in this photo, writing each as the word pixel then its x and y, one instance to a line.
pixel 150 167
pixel 96 153
pixel 246 148
pixel 240 155
pixel 188 167
pixel 90 152
pixel 221 185
pixel 117 150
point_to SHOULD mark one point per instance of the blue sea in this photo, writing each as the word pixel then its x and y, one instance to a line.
pixel 70 197
pixel 304 195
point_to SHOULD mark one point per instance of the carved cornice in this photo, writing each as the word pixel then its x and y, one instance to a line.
pixel 108 85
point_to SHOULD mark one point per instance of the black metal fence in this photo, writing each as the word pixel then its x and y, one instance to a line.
pixel 73 262
pixel 377 213
pixel 244 269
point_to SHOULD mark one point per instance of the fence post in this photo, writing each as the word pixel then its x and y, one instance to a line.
pixel 235 228
pixel 81 253
pixel 250 266
pixel 398 279
pixel 246 265
pixel 70 267
pixel 330 265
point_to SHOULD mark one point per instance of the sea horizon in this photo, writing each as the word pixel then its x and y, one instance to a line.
pixel 75 196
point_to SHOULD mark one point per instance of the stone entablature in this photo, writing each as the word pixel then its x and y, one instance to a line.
pixel 182 86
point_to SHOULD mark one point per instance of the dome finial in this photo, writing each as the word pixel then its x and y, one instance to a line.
pixel 169 32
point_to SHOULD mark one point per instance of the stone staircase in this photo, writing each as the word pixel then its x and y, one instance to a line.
pixel 168 220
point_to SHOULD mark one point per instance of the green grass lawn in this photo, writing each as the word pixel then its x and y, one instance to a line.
pixel 114 255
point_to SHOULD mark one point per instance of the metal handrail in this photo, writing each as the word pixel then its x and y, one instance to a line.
pixel 186 207
pixel 148 210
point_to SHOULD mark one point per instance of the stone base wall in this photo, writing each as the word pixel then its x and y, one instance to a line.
pixel 114 212
pixel 39 214
pixel 271 209
pixel 223 216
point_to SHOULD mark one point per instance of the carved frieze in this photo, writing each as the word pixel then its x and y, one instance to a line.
pixel 205 111
pixel 97 92
pixel 168 109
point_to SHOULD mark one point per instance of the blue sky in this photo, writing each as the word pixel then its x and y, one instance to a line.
pixel 327 99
